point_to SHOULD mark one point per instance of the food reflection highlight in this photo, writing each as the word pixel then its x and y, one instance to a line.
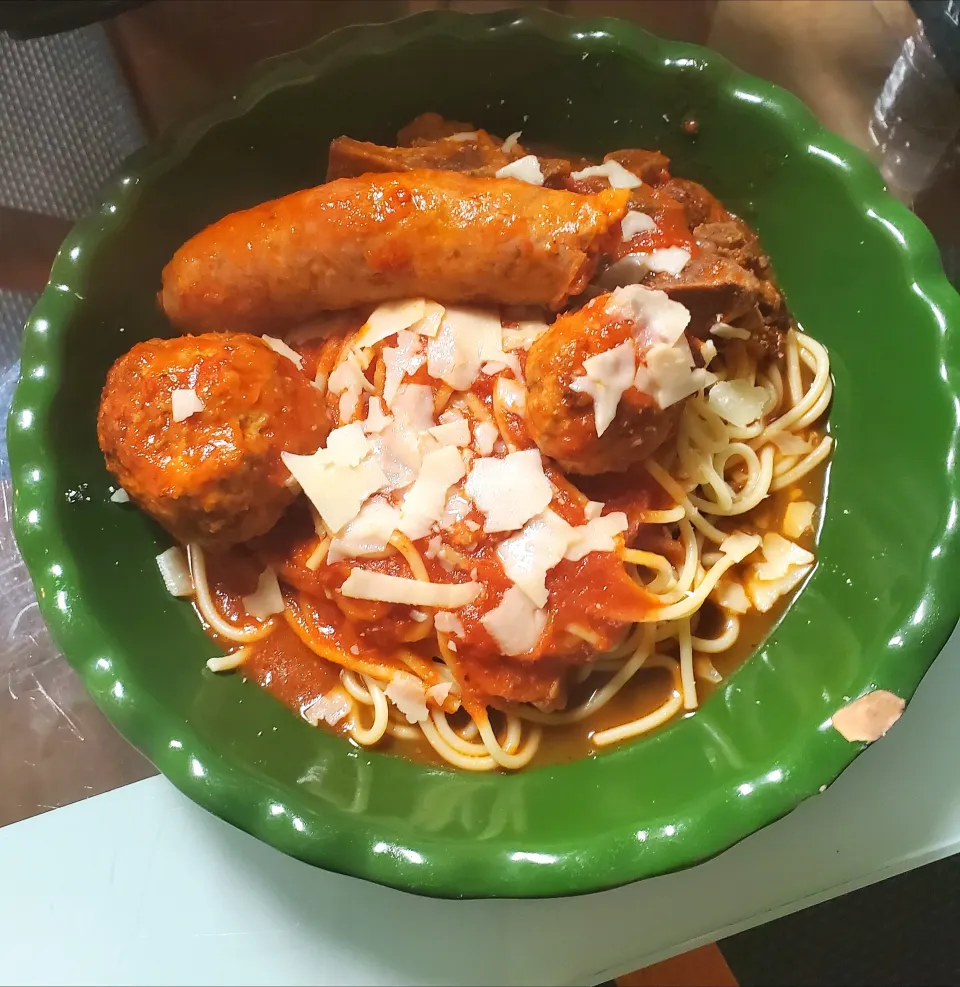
pixel 424 510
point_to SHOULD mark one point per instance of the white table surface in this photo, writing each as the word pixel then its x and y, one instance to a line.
pixel 139 886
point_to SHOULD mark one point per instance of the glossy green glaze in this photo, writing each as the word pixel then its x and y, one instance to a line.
pixel 861 274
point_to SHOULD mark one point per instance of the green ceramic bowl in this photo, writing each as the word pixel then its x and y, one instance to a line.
pixel 861 274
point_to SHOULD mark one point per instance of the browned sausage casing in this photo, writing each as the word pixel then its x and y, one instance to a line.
pixel 355 241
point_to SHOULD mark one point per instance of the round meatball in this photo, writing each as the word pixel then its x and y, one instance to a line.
pixel 214 477
pixel 561 420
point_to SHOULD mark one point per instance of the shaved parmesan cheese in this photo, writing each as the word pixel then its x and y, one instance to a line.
pixel 456 509
pixel 184 403
pixel 737 401
pixel 515 624
pixel 418 615
pixel 764 593
pixel 413 407
pixel 320 382
pixel 512 395
pixel 364 585
pixel 407 693
pixel 509 491
pixel 669 375
pixel 790 444
pixel 708 351
pixel 527 557
pixel 120 496
pixel 523 335
pixel 593 509
pixel 346 445
pixel 636 222
pixel 739 545
pixel 424 502
pixel 404 358
pixel 438 693
pixel 338 491
pixel 798 518
pixel 397 451
pixel 329 709
pixel 390 318
pixel 527 169
pixel 266 599
pixel 455 433
pixel 467 339
pixel 868 718
pixel 429 325
pixel 367 534
pixel 780 555
pixel 175 571
pixel 464 135
pixel 279 346
pixel 608 375
pixel 448 623
pixel 597 535
pixel 511 142
pixel 485 434
pixel 613 171
pixel 348 380
pixel 433 548
pixel 668 260
pixel 376 421
pixel 724 331
pixel 731 596
pixel 657 318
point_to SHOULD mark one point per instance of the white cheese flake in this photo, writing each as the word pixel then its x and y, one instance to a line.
pixel 337 483
pixel 184 403
pixel 523 335
pixel 390 318
pixel 364 585
pixel 404 359
pixel 452 433
pixel 438 693
pixel 593 509
pixel 780 555
pixel 511 142
pixel 485 435
pixel 367 534
pixel 329 709
pixel 608 375
pixel 612 171
pixel 279 346
pixel 468 338
pixel 526 169
pixel 511 395
pixel 175 571
pixel 464 135
pixel 424 503
pixel 413 407
pixel 656 317
pixel 515 623
pixel 764 593
pixel 266 599
pixel 597 535
pixel 527 557
pixel 509 491
pixel 120 496
pixel 348 380
pixel 708 352
pixel 669 375
pixel 406 692
pixel 798 518
pixel 636 222
pixel 448 623
pixel 737 401
pixel 731 595
pixel 376 420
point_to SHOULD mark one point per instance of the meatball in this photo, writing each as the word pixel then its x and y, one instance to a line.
pixel 215 477
pixel 561 420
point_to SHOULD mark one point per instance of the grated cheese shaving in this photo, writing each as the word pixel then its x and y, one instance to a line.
pixel 608 375
pixel 184 403
pixel 780 555
pixel 377 420
pixel 485 434
pixel 798 518
pixel 523 335
pixel 526 169
pixel 348 380
pixel 452 433
pixel 515 623
pixel 330 709
pixel 367 534
pixel 279 346
pixel 739 545
pixel 448 623
pixel 120 496
pixel 527 557
pixel 364 585
pixel 511 142
pixel 405 358
pixel 613 171
pixel 509 491
pixel 636 222
pixel 266 599
pixel 737 401
pixel 424 502
pixel 175 571
pixel 390 318
pixel 723 331
pixel 407 693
